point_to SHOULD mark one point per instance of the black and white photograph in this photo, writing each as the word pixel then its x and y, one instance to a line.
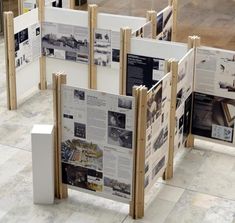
pixel 116 55
pixel 79 130
pixel 71 41
pixel 167 24
pixel 125 103
pixel 159 25
pixel 102 48
pixel 117 188
pixel 116 119
pixel 161 139
pixel 211 119
pixel 158 166
pixel 79 95
pixel 154 104
pixel 120 137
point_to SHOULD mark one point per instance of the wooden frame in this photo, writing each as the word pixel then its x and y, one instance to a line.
pixel 42 59
pixel 152 17
pixel 20 7
pixel 61 190
pixel 92 13
pixel 125 46
pixel 193 42
pixel 10 60
pixel 174 69
pixel 140 153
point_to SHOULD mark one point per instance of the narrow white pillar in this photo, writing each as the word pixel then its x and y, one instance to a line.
pixel 42 138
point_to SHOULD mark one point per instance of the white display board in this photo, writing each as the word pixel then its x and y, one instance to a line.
pixel 214 97
pixel 158 49
pixel 28 53
pixel 157 133
pixel 98 138
pixel 184 98
pixel 77 73
pixel 108 76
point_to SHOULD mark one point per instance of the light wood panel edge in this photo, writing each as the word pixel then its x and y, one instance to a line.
pixel 152 17
pixel 125 47
pixel 92 18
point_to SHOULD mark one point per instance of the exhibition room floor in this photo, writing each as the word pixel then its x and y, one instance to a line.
pixel 202 190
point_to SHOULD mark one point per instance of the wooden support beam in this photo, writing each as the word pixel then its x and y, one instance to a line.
pixel 135 94
pixel 20 7
pixel 72 4
pixel 42 59
pixel 170 162
pixel 61 190
pixel 125 46
pixel 140 153
pixel 10 60
pixel 193 42
pixel 92 13
pixel 175 14
pixel 152 17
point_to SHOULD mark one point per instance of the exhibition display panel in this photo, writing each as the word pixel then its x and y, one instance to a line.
pixel 79 43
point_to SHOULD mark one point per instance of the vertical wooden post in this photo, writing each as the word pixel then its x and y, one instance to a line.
pixel 10 60
pixel 174 4
pixel 125 46
pixel 135 94
pixel 20 7
pixel 61 190
pixel 140 153
pixel 170 162
pixel 92 13
pixel 42 59
pixel 152 17
pixel 72 4
pixel 193 42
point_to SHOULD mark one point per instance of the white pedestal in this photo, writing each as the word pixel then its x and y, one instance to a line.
pixel 42 137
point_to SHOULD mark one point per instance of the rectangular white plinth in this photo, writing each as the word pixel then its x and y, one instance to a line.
pixel 42 138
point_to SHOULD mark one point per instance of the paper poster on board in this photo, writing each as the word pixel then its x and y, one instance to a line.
pixel 143 70
pixel 157 133
pixel 165 24
pixel 98 133
pixel 144 32
pixel 102 47
pixel 27 45
pixel 213 117
pixel 185 78
pixel 215 72
pixel 65 42
pixel 115 43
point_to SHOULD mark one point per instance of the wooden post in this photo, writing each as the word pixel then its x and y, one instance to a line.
pixel 125 46
pixel 135 94
pixel 140 153
pixel 20 7
pixel 174 4
pixel 42 59
pixel 193 42
pixel 92 13
pixel 72 4
pixel 61 190
pixel 152 16
pixel 10 60
pixel 170 162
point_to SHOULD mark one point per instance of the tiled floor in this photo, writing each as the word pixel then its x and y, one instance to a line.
pixel 202 190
